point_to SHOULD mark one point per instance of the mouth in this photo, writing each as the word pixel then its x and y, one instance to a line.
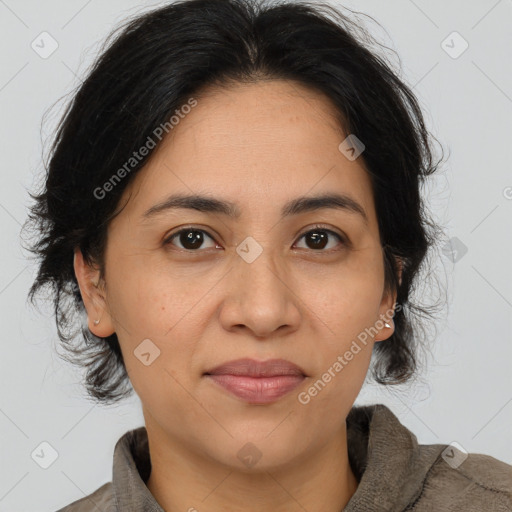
pixel 257 382
pixel 252 368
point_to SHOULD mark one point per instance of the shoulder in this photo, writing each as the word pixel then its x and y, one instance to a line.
pixel 101 499
pixel 468 482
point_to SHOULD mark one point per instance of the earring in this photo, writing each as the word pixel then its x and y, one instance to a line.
pixel 96 322
pixel 387 325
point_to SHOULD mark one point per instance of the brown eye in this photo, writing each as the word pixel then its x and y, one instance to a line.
pixel 190 239
pixel 319 238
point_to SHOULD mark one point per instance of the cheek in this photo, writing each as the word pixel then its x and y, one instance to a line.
pixel 331 392
pixel 152 305
pixel 346 300
pixel 148 298
pixel 343 314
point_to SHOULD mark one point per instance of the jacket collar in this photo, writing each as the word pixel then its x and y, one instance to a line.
pixel 131 470
pixel 387 460
pixel 384 455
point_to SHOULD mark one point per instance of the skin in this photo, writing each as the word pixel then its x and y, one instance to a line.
pixel 259 146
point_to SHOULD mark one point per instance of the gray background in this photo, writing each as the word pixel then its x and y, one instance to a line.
pixel 464 395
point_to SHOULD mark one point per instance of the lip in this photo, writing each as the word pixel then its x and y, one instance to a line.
pixel 257 382
pixel 253 368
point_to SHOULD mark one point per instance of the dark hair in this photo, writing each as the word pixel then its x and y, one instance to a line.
pixel 154 64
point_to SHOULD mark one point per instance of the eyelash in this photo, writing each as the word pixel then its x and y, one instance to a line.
pixel 343 240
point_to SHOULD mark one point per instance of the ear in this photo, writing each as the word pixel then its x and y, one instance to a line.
pixel 94 296
pixel 386 310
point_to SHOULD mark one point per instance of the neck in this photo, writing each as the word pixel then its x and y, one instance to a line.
pixel 181 479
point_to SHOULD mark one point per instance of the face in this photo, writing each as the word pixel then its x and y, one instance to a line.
pixel 304 286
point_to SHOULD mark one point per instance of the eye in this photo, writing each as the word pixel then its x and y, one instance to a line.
pixel 190 239
pixel 193 239
pixel 318 238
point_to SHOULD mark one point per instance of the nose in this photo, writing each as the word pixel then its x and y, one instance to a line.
pixel 261 298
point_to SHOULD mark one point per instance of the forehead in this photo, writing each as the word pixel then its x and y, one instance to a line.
pixel 269 141
pixel 260 114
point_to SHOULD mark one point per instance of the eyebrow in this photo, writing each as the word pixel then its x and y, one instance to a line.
pixel 294 207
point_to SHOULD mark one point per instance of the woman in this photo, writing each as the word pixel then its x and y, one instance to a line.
pixel 233 201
